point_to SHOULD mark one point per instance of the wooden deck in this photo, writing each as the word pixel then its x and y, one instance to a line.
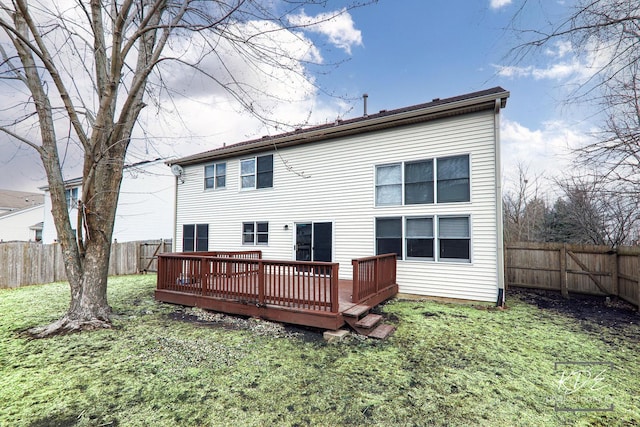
pixel 303 293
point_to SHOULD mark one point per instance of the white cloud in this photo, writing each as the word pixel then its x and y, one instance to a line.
pixel 557 71
pixel 559 49
pixel 547 151
pixel 200 115
pixel 497 4
pixel 338 26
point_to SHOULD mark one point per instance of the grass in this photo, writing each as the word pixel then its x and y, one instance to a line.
pixel 445 365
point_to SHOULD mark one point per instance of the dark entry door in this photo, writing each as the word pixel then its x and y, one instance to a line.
pixel 314 241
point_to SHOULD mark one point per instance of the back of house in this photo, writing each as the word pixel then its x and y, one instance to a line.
pixel 422 182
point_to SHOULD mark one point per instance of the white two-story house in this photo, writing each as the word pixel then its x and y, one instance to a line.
pixel 145 206
pixel 422 182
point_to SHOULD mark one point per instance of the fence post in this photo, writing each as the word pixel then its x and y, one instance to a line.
pixel 563 271
pixel 614 273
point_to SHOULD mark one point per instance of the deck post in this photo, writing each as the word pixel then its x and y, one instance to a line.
pixel 260 282
pixel 334 288
pixel 355 292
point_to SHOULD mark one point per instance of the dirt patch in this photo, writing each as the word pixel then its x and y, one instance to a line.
pixel 255 325
pixel 593 313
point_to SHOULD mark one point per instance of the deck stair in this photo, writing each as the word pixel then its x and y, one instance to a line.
pixel 366 323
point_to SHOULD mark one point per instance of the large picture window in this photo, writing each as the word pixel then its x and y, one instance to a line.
pixel 256 172
pixel 255 233
pixel 389 236
pixel 453 179
pixel 215 176
pixel 454 238
pixel 413 238
pixel 412 183
pixel 388 185
pixel 195 237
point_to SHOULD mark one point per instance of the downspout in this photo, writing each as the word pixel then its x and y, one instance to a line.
pixel 175 217
pixel 499 213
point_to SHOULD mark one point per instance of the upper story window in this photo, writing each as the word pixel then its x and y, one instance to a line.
pixel 418 182
pixel 388 185
pixel 256 172
pixel 453 179
pixel 215 176
pixel 444 180
pixel 71 195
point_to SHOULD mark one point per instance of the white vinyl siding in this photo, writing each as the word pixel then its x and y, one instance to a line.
pixel 335 181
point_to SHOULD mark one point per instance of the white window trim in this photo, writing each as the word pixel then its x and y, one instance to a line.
pixel 255 233
pixel 215 181
pixel 255 173
pixel 436 238
pixel 436 227
pixel 435 182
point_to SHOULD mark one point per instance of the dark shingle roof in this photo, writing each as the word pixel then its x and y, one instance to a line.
pixel 437 108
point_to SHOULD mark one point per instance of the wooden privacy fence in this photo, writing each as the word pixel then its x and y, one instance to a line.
pixel 584 269
pixel 26 263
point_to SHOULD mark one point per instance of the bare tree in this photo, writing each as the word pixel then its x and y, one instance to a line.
pixel 605 36
pixel 93 66
pixel 591 211
pixel 524 209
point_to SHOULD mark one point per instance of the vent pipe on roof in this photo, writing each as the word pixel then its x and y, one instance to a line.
pixel 364 99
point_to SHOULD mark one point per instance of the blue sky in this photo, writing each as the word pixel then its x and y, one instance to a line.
pixel 400 53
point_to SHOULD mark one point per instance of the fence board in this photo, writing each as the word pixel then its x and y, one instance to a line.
pixel 28 263
pixel 595 270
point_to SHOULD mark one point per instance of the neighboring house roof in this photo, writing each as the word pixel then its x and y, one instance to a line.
pixel 13 201
pixel 77 182
pixel 438 108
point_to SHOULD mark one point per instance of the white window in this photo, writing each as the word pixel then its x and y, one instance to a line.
pixel 195 237
pixel 256 172
pixel 71 195
pixel 453 179
pixel 389 236
pixel 215 176
pixel 255 233
pixel 418 182
pixel 412 183
pixel 419 238
pixel 388 185
pixel 454 238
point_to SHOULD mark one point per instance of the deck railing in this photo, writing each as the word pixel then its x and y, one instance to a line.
pixel 371 275
pixel 246 278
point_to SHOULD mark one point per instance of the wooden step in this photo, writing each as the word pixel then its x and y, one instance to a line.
pixel 369 321
pixel 382 331
pixel 357 310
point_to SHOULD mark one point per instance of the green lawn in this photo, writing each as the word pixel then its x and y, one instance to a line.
pixel 445 365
